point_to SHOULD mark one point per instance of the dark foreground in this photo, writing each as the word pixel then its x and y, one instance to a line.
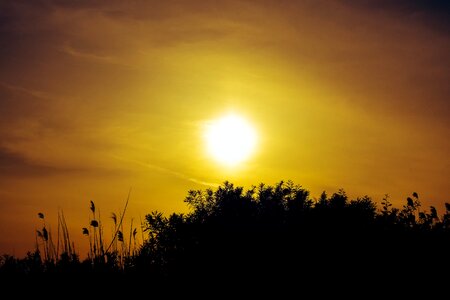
pixel 268 239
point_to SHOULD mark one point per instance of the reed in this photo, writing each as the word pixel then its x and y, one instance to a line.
pixel 98 254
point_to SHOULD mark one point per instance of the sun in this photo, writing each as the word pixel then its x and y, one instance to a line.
pixel 230 140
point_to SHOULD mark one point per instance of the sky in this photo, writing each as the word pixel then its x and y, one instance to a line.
pixel 97 97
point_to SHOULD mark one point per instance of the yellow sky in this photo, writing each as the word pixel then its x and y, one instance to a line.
pixel 96 98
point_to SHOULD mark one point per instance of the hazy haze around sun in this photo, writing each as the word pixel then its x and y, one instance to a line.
pixel 230 139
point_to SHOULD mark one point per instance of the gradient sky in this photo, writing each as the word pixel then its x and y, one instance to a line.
pixel 100 96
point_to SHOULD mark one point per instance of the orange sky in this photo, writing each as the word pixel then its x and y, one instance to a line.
pixel 97 97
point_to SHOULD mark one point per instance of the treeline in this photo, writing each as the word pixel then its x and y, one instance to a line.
pixel 276 232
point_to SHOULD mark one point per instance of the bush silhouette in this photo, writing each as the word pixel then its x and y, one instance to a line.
pixel 279 229
pixel 264 234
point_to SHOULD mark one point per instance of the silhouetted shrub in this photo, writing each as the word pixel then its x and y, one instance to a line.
pixel 266 232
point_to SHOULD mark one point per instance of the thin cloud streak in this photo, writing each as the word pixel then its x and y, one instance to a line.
pixel 35 93
pixel 69 50
pixel 167 171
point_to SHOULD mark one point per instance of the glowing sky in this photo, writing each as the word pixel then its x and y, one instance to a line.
pixel 97 97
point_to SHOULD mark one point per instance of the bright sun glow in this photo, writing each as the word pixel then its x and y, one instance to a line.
pixel 230 139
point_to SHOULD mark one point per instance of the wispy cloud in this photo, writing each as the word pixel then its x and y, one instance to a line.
pixel 30 92
pixel 103 59
pixel 77 53
pixel 13 164
pixel 167 171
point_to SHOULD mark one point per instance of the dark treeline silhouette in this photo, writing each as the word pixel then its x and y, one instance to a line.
pixel 270 234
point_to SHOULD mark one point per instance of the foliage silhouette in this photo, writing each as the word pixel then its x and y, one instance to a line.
pixel 263 234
